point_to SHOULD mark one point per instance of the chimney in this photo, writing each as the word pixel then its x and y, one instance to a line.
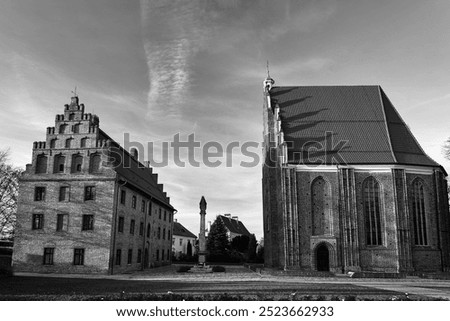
pixel 227 215
pixel 235 218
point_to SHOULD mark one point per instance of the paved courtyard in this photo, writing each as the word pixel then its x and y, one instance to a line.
pixel 237 280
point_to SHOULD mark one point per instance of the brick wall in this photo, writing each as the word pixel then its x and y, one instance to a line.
pixel 29 244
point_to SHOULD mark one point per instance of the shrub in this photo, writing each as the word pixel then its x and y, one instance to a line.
pixel 218 268
pixel 183 268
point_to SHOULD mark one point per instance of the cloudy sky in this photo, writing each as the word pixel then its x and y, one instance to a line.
pixel 155 68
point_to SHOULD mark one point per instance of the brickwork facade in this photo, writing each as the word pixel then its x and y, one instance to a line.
pixel 81 209
pixel 352 217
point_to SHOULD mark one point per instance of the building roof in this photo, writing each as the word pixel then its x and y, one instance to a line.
pixel 136 173
pixel 344 125
pixel 234 225
pixel 180 230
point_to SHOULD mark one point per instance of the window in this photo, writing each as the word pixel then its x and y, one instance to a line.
pixel 320 207
pixel 162 255
pixel 78 257
pixel 62 128
pixel 83 142
pixel 133 201
pixel 165 215
pixel 120 225
pixel 141 229
pixel 132 227
pixel 53 143
pixel 149 209
pixel 41 164
pixel 59 164
pixel 130 256
pixel 160 213
pixel 76 128
pixel 148 230
pixel 118 256
pixel 139 256
pixel 62 222
pixel 88 222
pixel 95 163
pixel 419 213
pixel 164 234
pixel 64 194
pixel 170 217
pixel 157 255
pixel 143 206
pixel 159 233
pixel 69 142
pixel 38 221
pixel 168 255
pixel 168 235
pixel 71 116
pixel 48 255
pixel 123 196
pixel 89 193
pixel 77 162
pixel 181 242
pixel 372 213
pixel 39 193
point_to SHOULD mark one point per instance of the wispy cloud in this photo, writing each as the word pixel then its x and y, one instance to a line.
pixel 173 33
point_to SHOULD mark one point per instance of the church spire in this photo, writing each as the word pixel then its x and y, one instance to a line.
pixel 268 82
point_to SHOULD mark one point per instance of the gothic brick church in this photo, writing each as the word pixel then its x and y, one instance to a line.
pixel 346 186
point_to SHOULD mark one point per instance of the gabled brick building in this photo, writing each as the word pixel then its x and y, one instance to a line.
pixel 346 187
pixel 233 225
pixel 87 206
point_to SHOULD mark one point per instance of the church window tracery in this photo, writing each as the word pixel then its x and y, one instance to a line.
pixel 418 213
pixel 372 212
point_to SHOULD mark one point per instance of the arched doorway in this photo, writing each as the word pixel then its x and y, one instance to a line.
pixel 322 258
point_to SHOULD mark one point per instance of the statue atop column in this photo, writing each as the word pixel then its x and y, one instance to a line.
pixel 201 236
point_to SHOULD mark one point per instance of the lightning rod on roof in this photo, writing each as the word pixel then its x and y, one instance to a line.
pixel 74 92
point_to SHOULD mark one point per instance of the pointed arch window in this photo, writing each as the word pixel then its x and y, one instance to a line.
pixel 418 213
pixel 372 211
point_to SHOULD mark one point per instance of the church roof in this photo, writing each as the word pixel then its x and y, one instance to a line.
pixel 234 225
pixel 180 230
pixel 345 125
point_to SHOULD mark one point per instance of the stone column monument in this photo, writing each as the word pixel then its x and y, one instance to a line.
pixel 201 236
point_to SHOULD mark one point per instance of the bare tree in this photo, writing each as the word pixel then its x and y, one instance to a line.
pixel 9 184
pixel 446 149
